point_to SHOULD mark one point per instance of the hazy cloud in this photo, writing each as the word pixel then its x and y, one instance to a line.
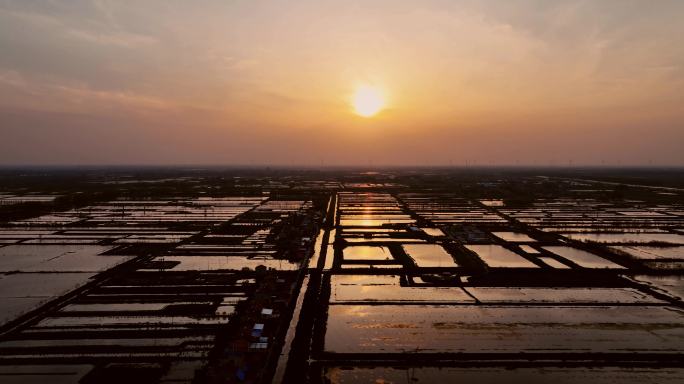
pixel 256 81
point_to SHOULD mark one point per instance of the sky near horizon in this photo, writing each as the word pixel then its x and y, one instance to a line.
pixel 270 82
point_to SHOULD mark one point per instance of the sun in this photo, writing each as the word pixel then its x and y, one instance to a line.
pixel 367 101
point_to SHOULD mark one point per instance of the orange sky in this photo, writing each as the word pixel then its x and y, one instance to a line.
pixel 270 82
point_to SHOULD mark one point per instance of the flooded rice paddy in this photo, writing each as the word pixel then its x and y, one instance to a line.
pixel 363 279
pixel 501 329
pixel 497 256
pixel 429 255
pixel 495 375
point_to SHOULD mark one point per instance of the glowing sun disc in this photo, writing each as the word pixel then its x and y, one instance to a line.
pixel 367 101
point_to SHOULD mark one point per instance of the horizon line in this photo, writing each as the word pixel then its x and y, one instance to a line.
pixel 338 166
